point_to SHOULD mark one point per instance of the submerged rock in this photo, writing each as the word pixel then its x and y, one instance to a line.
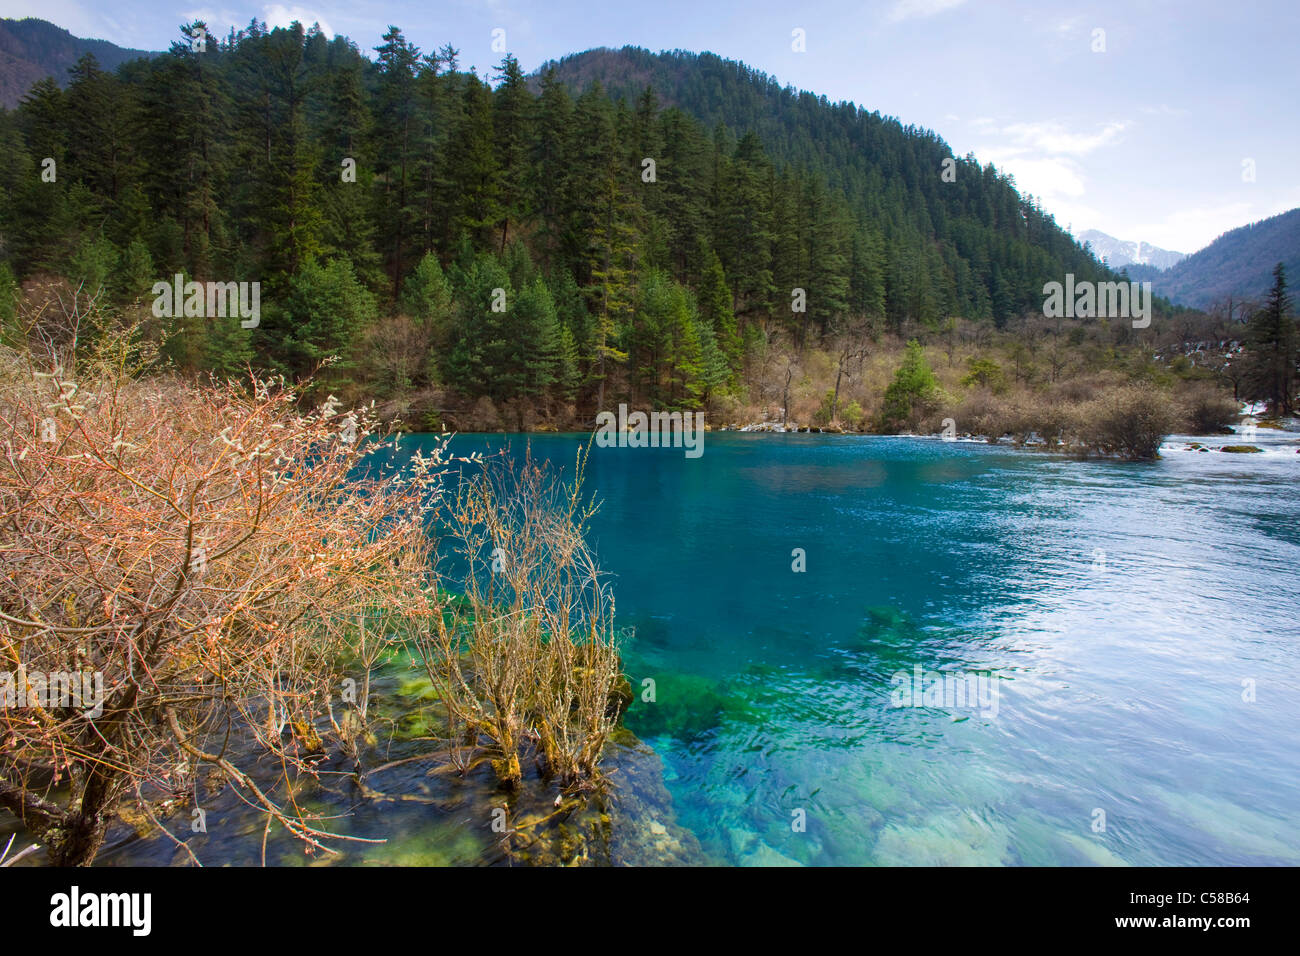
pixel 959 839
pixel 764 855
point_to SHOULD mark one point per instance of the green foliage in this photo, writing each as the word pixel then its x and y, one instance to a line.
pixel 913 389
pixel 135 274
pixel 985 373
pixel 853 415
pixel 825 411
pixel 8 307
pixel 1271 349
pixel 345 186
pixel 325 310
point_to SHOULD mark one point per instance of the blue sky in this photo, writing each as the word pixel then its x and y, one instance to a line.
pixel 1144 139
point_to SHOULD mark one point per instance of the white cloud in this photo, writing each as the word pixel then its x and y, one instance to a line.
pixel 279 15
pixel 1188 230
pixel 1067 26
pixel 1165 110
pixel 909 9
pixel 217 21
pixel 1055 138
pixel 1047 176
pixel 1044 159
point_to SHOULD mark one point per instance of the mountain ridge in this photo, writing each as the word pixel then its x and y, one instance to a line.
pixel 32 49
pixel 1237 266
pixel 1118 253
pixel 972 227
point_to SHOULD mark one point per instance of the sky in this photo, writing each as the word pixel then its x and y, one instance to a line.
pixel 1166 121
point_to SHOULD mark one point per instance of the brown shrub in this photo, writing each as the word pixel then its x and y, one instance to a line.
pixel 211 555
pixel 529 661
pixel 1127 422
pixel 1209 411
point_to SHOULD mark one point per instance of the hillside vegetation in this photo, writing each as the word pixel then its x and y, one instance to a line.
pixel 527 252
pixel 32 49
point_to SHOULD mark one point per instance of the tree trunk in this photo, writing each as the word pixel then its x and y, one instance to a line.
pixel 835 400
pixel 70 837
pixel 79 840
pixel 785 398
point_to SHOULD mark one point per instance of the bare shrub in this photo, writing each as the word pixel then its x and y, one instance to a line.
pixel 528 662
pixel 213 554
pixel 484 417
pixel 1127 422
pixel 1209 411
pixel 1038 416
pixel 984 413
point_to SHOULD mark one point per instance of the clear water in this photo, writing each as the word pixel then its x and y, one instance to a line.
pixel 1128 612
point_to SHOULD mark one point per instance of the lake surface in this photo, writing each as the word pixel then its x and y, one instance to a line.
pixel 1139 622
pixel 1132 629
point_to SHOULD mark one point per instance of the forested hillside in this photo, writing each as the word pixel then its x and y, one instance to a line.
pixel 32 49
pixel 543 245
pixel 967 243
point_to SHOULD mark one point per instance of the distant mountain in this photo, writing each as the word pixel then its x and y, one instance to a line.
pixel 1119 253
pixel 1238 265
pixel 31 50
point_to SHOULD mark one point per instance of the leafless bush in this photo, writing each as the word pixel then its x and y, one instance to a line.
pixel 1209 411
pixel 529 660
pixel 1127 422
pixel 984 413
pixel 209 552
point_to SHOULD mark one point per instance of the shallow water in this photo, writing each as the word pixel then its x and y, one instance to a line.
pixel 1125 614
pixel 1123 609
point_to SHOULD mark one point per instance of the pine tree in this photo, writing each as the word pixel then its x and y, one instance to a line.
pixel 323 316
pixel 537 343
pixel 512 120
pixel 473 163
pixel 396 148
pixel 716 311
pixel 1271 349
pixel 913 387
pixel 479 359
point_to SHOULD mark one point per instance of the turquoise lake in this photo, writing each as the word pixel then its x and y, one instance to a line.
pixel 1132 628
pixel 1138 620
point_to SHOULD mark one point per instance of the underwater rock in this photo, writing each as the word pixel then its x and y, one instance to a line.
pixel 686 706
pixel 959 839
pixel 764 855
pixel 741 841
